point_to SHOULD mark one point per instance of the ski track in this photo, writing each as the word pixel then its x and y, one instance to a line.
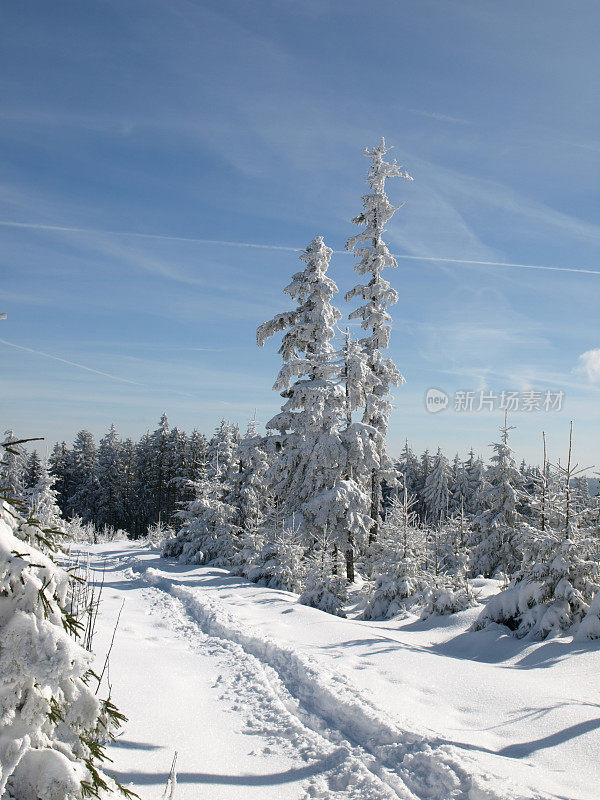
pixel 288 698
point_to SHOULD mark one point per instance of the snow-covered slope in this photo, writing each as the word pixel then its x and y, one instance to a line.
pixel 264 698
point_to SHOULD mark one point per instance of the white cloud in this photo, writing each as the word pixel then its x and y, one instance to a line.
pixel 589 363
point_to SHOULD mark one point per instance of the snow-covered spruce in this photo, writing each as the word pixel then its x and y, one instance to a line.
pixel 377 296
pixel 496 539
pixel 280 561
pixel 42 503
pixel 435 492
pixel 323 458
pixel 397 591
pixel 12 466
pixel 324 588
pixel 553 589
pixel 51 723
pixel 208 532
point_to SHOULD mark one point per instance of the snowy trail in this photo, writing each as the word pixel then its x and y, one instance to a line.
pixel 374 758
pixel 327 706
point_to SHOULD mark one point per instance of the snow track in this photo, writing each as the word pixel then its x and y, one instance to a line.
pixel 287 697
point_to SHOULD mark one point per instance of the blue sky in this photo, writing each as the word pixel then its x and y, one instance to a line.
pixel 206 122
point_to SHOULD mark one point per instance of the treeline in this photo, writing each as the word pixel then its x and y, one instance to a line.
pixel 124 484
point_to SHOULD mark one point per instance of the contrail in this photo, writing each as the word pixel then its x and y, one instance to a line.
pixel 286 248
pixel 70 363
pixel 90 369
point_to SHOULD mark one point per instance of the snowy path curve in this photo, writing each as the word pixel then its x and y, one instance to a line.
pixel 291 698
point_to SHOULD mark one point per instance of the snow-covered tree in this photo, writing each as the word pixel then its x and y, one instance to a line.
pixel 377 296
pixel 496 538
pixel 84 499
pixel 323 457
pixel 208 534
pixel 33 469
pixel 435 492
pixel 12 466
pixel 323 588
pixel 52 725
pixel 476 484
pixel 248 485
pixel 42 500
pixel 553 589
pixel 61 464
pixel 110 475
pixel 221 449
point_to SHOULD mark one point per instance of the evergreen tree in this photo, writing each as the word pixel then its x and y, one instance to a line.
pixel 42 500
pixel 222 449
pixel 33 470
pixel 435 493
pixel 110 508
pixel 377 296
pixel 476 484
pixel 317 476
pixel 84 498
pixel 208 534
pixel 61 463
pixel 12 466
pixel 552 590
pixel 496 528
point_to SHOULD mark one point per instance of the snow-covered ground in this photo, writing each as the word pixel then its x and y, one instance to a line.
pixel 263 698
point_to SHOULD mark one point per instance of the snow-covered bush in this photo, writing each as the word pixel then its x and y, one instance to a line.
pixel 279 564
pixel 553 589
pixel 443 600
pixel 590 626
pixel 323 588
pixel 325 591
pixel 158 534
pixel 397 591
pixel 79 531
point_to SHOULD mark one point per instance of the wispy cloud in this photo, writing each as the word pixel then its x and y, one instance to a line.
pixel 441 117
pixel 589 364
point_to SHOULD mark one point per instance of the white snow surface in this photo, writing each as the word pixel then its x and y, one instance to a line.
pixel 265 698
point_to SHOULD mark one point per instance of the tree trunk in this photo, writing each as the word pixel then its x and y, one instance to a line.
pixel 350 564
pixel 375 505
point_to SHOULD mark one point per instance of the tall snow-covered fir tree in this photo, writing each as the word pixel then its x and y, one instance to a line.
pixel 110 475
pixel 435 492
pixel 84 500
pixel 377 296
pixel 33 469
pixel 496 535
pixel 319 473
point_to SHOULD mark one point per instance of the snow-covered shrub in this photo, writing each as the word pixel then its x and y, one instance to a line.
pixel 590 626
pixel 552 590
pixel 325 591
pixel 51 723
pixel 247 557
pixel 279 563
pixel 323 588
pixel 158 534
pixel 398 590
pixel 443 600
